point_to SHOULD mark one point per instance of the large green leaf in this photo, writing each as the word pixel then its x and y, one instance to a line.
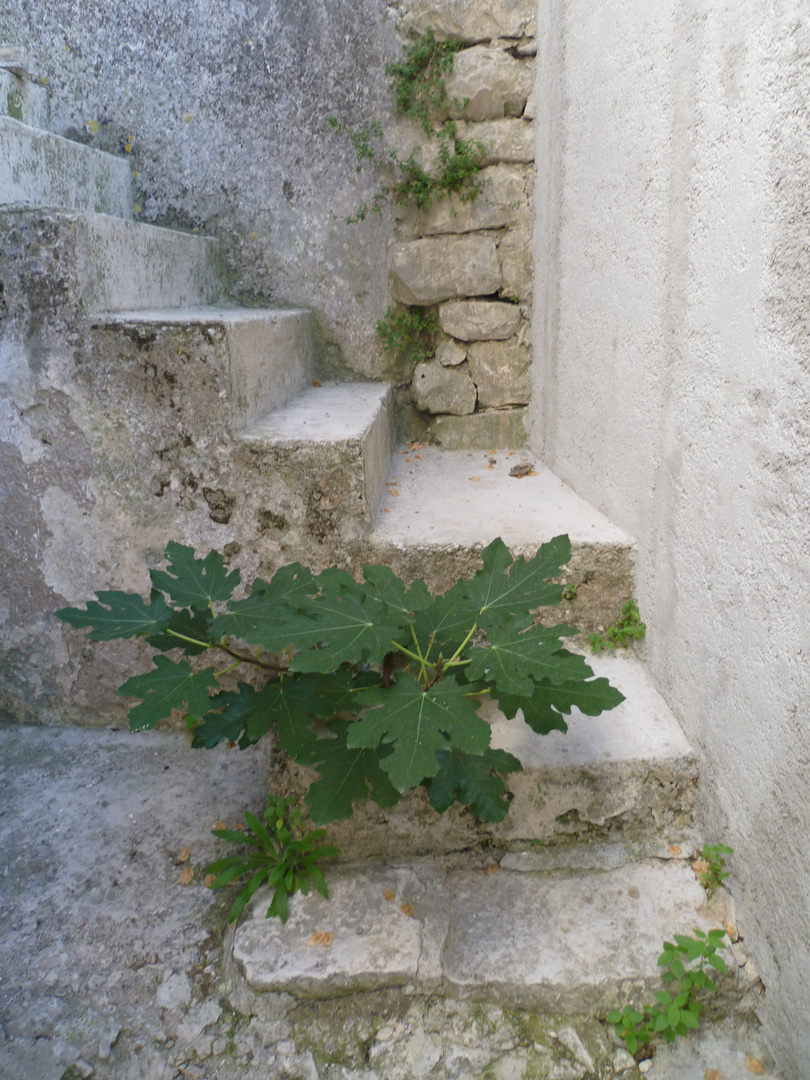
pixel 543 710
pixel 188 630
pixel 168 686
pixel 417 724
pixel 505 589
pixel 125 615
pixel 335 630
pixel 517 656
pixel 384 585
pixel 193 582
pixel 468 778
pixel 225 721
pixel 262 618
pixel 345 775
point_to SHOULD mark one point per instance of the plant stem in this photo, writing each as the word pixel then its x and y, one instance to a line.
pixel 239 657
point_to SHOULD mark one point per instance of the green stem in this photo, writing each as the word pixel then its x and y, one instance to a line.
pixel 413 656
pixel 226 649
pixel 461 648
pixel 225 671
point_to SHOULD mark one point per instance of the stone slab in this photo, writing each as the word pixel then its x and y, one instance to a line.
pixel 376 945
pixel 271 353
pixel 559 941
pixel 472 21
pixel 425 272
pixel 38 168
pixel 485 430
pixel 458 497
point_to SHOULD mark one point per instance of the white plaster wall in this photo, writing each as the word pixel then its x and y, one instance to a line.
pixel 672 389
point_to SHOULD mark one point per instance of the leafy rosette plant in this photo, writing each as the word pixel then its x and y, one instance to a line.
pixel 375 684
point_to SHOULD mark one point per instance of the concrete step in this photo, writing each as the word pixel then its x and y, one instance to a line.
pixel 442 507
pixel 332 445
pixel 267 355
pixel 561 942
pixel 38 168
pixel 626 775
pixel 23 100
pixel 95 263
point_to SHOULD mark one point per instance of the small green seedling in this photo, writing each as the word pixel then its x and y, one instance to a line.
pixel 569 592
pixel 688 963
pixel 628 628
pixel 280 854
pixel 715 873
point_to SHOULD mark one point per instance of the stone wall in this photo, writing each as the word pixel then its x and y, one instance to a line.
pixel 470 259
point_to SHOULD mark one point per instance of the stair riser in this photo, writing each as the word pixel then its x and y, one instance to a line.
pixel 38 168
pixel 603 575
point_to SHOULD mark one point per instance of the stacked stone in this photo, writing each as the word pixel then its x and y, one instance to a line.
pixel 472 260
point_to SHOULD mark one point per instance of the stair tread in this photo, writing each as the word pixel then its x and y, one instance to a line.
pixel 220 313
pixel 457 497
pixel 330 413
pixel 557 940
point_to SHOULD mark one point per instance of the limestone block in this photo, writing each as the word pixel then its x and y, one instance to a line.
pixel 450 353
pixel 492 83
pixel 439 389
pixel 425 272
pixel 515 253
pixel 500 370
pixel 479 320
pixel 509 140
pixel 471 20
pixel 481 431
pixel 502 202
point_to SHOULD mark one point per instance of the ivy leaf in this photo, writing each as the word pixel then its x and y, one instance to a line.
pixel 189 624
pixel 417 724
pixel 167 688
pixel 193 582
pixel 126 615
pixel 542 711
pixel 345 773
pixel 469 778
pixel 262 618
pixel 507 588
pixel 518 656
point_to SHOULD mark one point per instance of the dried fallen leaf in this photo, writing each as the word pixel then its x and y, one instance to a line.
pixel 394 492
pixel 473 477
pixel 731 930
pixel 220 824
pixel 490 466
pixel 182 856
pixel 386 510
pixel 420 456
pixel 406 909
pixel 493 868
pixel 674 849
pixel 317 382
pixel 239 827
pixel 209 880
pixel 322 937
pixel 712 1074
pixel 700 867
pixel 409 459
pixel 186 875
pixel 754 1065
pixel 389 895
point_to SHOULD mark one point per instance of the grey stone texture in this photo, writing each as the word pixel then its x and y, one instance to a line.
pixel 479 320
pixel 440 389
pixel 500 371
pixel 469 21
pixel 486 429
pixel 425 272
pixel 502 202
pixel 486 83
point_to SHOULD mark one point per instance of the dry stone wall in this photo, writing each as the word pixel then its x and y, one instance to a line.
pixel 470 259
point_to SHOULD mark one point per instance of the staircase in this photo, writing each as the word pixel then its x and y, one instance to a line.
pixel 559 910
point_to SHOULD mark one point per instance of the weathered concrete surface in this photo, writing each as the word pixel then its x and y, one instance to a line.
pixel 672 297
pixel 23 100
pixel 270 353
pixel 225 110
pixel 38 168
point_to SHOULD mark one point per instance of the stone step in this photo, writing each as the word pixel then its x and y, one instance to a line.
pixel 95 263
pixel 23 100
pixel 266 354
pixel 561 942
pixel 38 168
pixel 442 507
pixel 626 775
pixel 332 445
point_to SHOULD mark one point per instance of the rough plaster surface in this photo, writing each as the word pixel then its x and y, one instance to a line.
pixel 672 269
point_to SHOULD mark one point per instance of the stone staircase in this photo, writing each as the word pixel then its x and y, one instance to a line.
pixel 562 908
